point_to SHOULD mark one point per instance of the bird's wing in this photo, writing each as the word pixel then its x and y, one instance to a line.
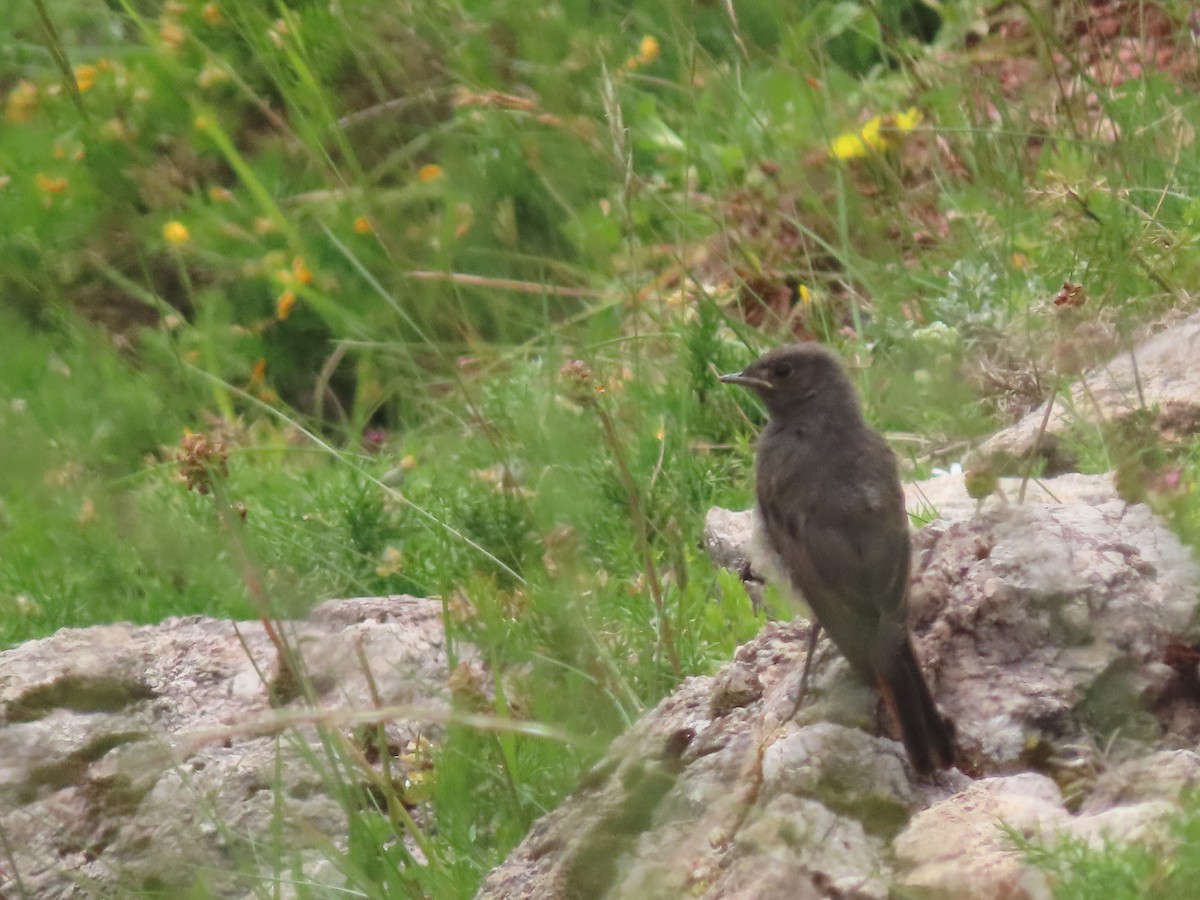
pixel 850 563
pixel 862 555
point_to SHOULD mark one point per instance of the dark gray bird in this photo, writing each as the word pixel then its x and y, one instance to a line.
pixel 830 498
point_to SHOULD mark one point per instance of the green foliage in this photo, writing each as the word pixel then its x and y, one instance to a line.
pixel 1082 870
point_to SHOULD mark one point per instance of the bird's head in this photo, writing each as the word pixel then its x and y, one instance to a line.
pixel 797 378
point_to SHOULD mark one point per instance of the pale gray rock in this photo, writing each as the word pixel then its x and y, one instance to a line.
pixel 795 833
pixel 845 769
pixel 964 846
pixel 1043 624
pixel 735 542
pixel 1166 775
pixel 151 758
pixel 1143 825
pixel 945 497
pixel 959 848
pixel 720 800
pixel 1162 374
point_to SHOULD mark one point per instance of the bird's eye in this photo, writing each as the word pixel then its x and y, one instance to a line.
pixel 782 370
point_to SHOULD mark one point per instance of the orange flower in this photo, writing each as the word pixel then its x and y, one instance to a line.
pixel 259 373
pixel 300 271
pixel 283 306
pixel 648 50
pixel 212 14
pixel 172 33
pixel 85 77
pixel 51 185
pixel 362 225
pixel 429 172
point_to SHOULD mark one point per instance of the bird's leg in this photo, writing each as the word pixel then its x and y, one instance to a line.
pixel 814 632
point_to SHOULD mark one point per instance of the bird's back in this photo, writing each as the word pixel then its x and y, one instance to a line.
pixel 834 515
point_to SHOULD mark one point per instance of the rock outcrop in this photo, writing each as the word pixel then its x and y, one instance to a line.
pixel 1043 628
pixel 145 758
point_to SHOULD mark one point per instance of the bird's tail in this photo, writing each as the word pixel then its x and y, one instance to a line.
pixel 927 735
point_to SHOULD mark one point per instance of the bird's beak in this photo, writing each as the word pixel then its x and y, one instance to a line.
pixel 745 380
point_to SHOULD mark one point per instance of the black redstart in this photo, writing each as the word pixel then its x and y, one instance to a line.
pixel 830 499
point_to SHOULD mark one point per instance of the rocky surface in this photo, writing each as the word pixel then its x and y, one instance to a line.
pixel 143 758
pixel 1161 374
pixel 1043 628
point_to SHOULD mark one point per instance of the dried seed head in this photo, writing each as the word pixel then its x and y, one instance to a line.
pixel 200 459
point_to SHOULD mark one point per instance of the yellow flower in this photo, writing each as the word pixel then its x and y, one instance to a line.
pixel 284 304
pixel 22 102
pixel 176 233
pixel 648 51
pixel 908 120
pixel 872 134
pixel 85 77
pixel 805 294
pixel 876 134
pixel 429 172
pixel 848 146
pixel 362 225
pixel 51 185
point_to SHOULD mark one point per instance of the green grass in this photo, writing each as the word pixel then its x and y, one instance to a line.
pixel 361 249
pixel 1121 871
